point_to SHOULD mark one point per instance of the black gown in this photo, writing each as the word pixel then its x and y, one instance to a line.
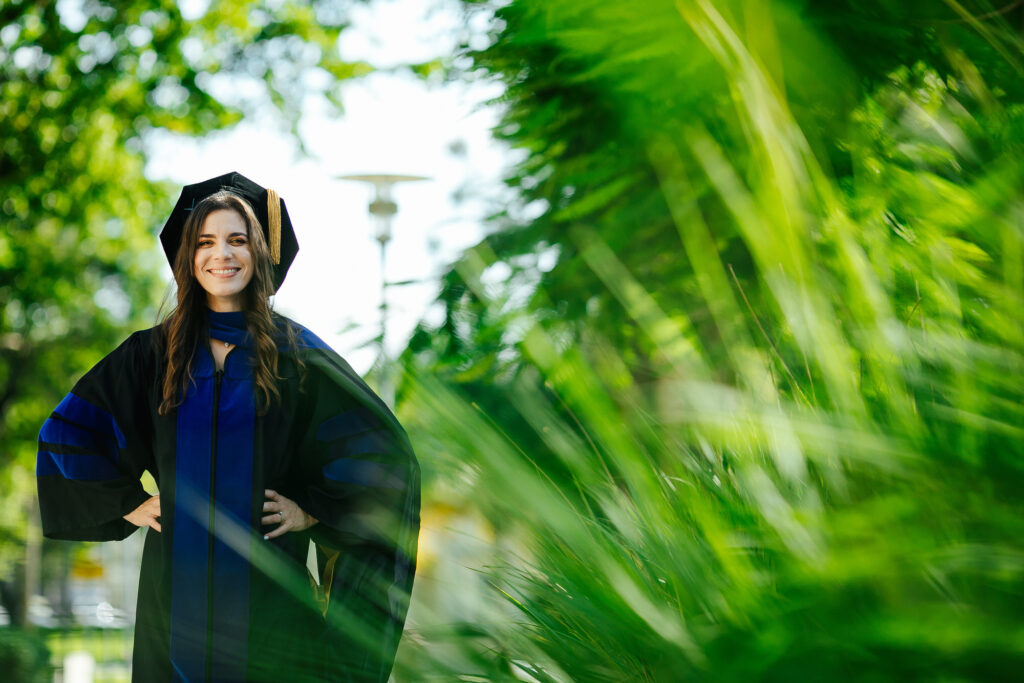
pixel 216 601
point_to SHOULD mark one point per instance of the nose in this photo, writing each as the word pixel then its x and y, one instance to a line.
pixel 221 249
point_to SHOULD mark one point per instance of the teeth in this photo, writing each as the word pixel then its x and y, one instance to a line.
pixel 224 270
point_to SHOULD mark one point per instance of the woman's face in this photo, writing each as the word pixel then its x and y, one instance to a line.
pixel 223 262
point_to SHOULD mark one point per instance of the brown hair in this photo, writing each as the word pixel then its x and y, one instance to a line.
pixel 185 327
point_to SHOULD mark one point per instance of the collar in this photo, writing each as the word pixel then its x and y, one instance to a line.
pixel 229 327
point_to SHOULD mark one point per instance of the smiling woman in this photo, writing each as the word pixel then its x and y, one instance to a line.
pixel 261 439
pixel 223 263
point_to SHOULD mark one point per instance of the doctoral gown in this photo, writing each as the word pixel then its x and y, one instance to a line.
pixel 218 602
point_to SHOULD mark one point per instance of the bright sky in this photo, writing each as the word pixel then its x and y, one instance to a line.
pixel 392 124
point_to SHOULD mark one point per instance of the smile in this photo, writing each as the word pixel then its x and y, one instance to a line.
pixel 223 271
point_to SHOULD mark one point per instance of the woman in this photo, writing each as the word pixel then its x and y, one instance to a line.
pixel 260 439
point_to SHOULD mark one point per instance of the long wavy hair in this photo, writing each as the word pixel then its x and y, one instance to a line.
pixel 186 326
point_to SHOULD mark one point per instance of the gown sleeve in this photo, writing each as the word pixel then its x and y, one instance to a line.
pixel 95 446
pixel 363 485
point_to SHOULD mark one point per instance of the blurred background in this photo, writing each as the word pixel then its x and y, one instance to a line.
pixel 705 318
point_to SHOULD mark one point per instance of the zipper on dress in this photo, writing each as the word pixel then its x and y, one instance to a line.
pixel 217 376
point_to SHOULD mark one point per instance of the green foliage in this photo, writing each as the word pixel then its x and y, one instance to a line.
pixel 24 657
pixel 762 419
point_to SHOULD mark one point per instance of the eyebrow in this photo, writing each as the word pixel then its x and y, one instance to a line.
pixel 234 234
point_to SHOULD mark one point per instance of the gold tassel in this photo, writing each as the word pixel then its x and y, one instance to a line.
pixel 274 225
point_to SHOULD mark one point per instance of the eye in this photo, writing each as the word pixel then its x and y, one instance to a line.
pixel 205 243
pixel 239 241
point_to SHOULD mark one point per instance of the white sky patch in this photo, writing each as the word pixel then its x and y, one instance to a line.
pixel 193 9
pixel 71 14
pixel 390 33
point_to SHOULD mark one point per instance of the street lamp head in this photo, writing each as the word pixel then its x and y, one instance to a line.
pixel 383 208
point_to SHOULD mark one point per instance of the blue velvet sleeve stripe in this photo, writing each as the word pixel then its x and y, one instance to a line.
pixel 82 412
pixel 80 442
pixel 378 442
pixel 346 424
pixel 363 473
pixel 56 432
pixel 77 467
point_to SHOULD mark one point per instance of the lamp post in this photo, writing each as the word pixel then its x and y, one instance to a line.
pixel 383 208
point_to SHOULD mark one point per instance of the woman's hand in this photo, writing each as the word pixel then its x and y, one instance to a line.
pixel 285 513
pixel 146 514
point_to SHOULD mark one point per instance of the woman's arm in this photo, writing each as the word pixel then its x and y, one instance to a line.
pixel 95 446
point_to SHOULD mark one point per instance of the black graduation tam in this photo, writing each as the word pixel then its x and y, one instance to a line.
pixel 268 207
